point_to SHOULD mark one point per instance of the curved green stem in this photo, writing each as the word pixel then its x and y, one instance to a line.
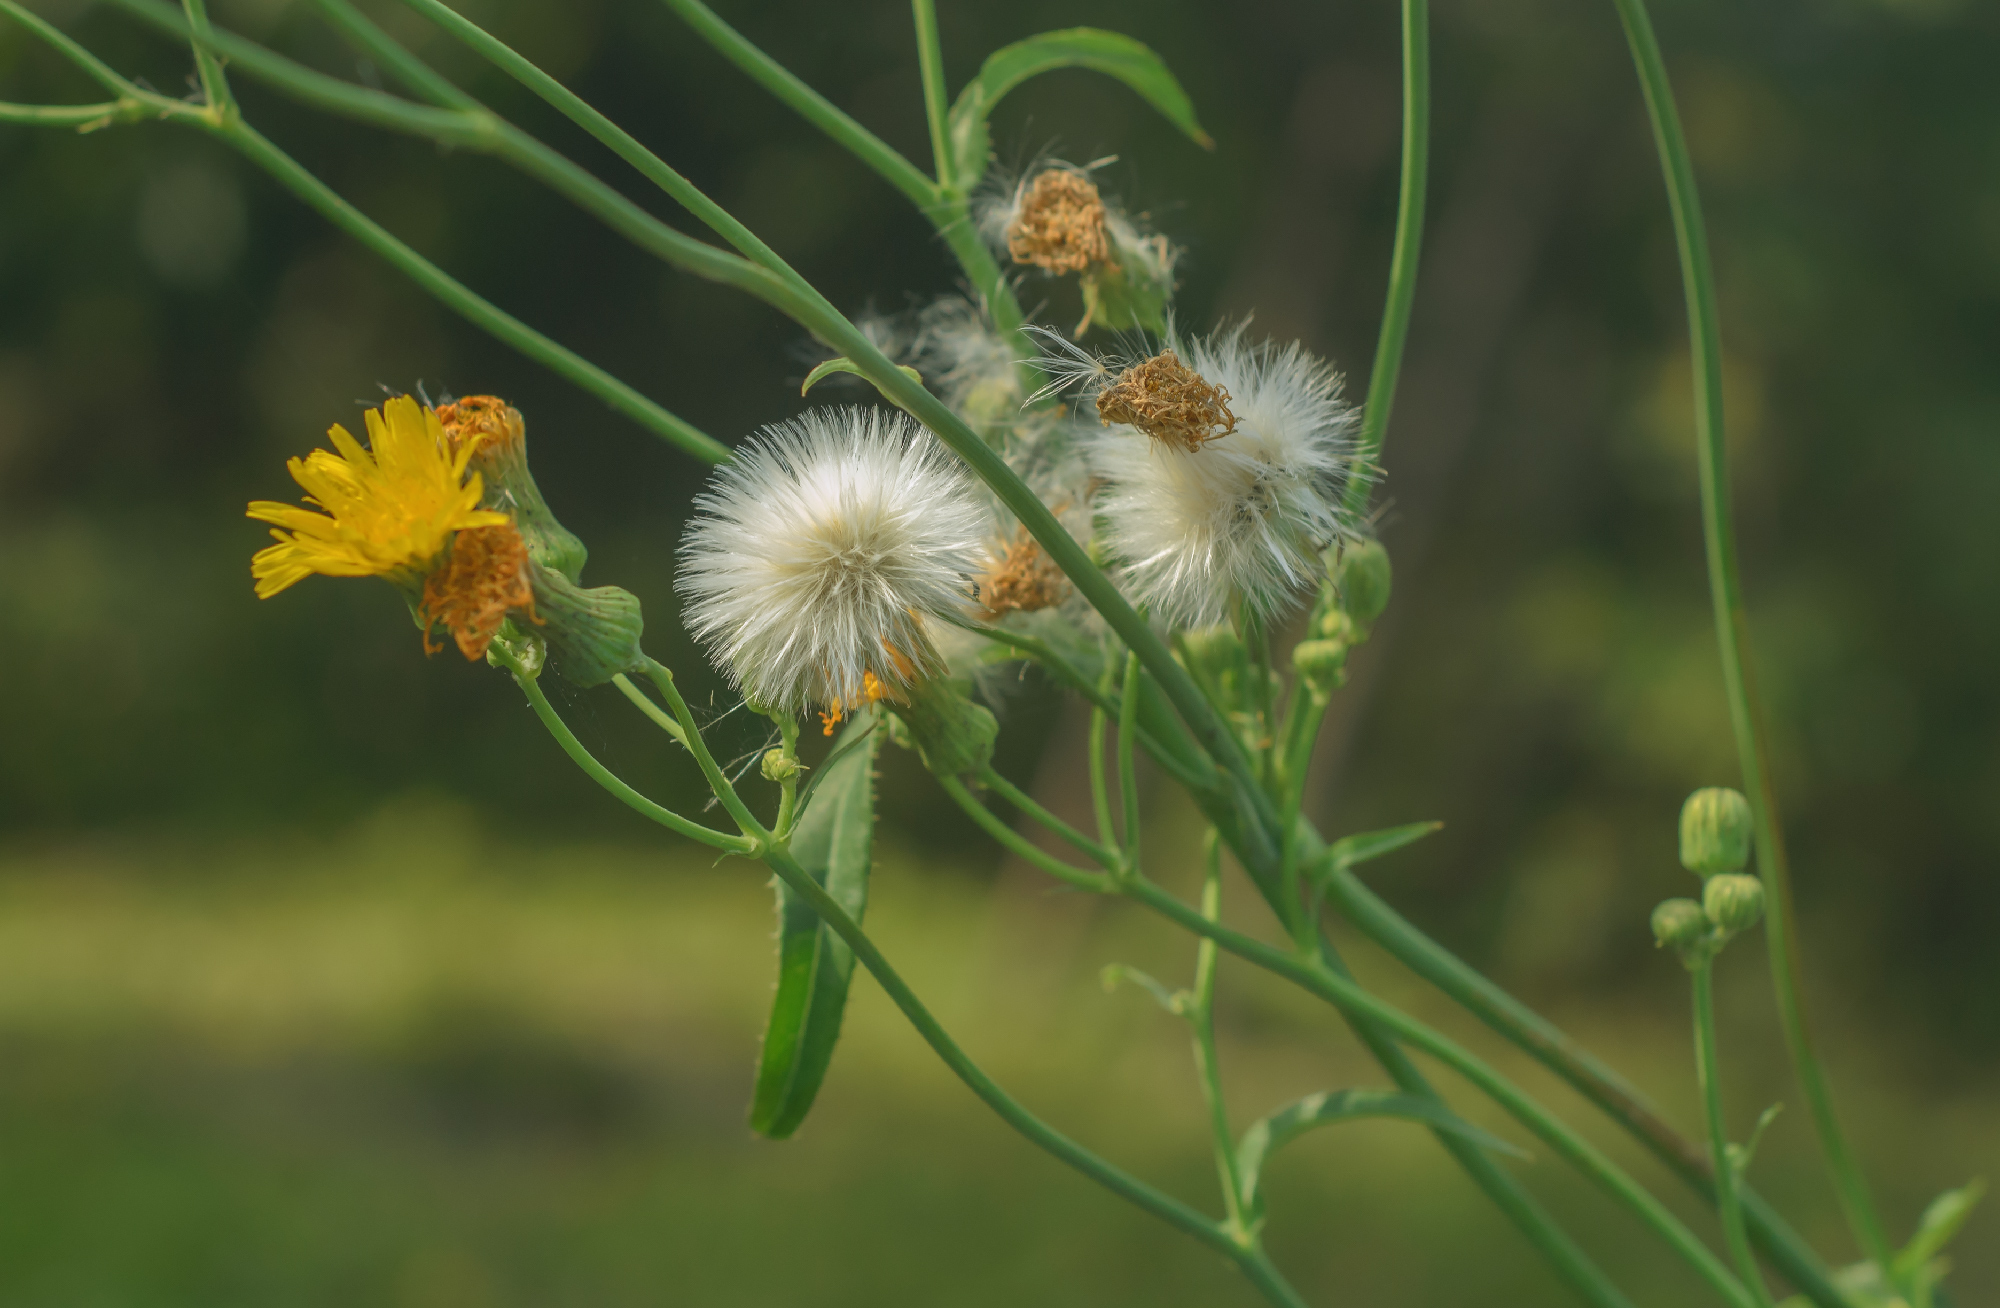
pixel 1202 1019
pixel 1731 626
pixel 654 713
pixel 663 679
pixel 1128 774
pixel 1410 197
pixel 1015 843
pixel 1707 1067
pixel 1349 997
pixel 1021 800
pixel 400 63
pixel 606 778
pixel 214 82
pixel 83 117
pixel 1596 1081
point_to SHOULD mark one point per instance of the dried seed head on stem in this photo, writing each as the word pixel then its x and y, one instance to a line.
pixel 1169 401
pixel 1059 224
pixel 1021 578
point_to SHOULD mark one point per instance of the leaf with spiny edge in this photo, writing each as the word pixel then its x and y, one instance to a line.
pixel 834 842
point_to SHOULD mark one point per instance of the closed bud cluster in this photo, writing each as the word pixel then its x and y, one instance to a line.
pixel 779 766
pixel 1715 832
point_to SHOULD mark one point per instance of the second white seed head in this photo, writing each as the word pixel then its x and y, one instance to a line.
pixel 816 555
pixel 1241 521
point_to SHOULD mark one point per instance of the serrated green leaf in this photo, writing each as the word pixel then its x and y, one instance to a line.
pixel 1349 850
pixel 1110 53
pixel 845 364
pixel 1266 1136
pixel 834 842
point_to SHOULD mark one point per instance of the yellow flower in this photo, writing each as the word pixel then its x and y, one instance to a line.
pixel 389 509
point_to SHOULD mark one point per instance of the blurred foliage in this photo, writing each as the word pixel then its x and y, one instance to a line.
pixel 172 327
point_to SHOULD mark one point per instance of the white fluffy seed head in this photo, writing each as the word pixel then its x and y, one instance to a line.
pixel 814 557
pixel 1241 521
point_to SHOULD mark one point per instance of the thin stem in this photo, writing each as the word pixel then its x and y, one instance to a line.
pixel 663 680
pixel 1014 842
pixel 214 82
pixel 1731 626
pixel 788 789
pixel 604 777
pixel 659 716
pixel 1100 797
pixel 401 64
pixel 1021 800
pixel 930 62
pixel 1707 1067
pixel 1128 774
pixel 455 295
pixel 83 117
pixel 1202 1018
pixel 1409 241
pixel 1349 997
pixel 93 67
pixel 1255 1266
pixel 947 216
pixel 1595 1080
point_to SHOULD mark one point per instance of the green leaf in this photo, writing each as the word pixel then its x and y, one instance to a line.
pixel 1266 1136
pixel 1349 850
pixel 845 364
pixel 1940 1222
pixel 1130 61
pixel 834 842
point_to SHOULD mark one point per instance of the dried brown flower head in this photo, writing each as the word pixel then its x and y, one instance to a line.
pixel 1060 226
pixel 484 578
pixel 1022 579
pixel 486 418
pixel 1169 401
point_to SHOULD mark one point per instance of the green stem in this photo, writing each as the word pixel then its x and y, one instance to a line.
pixel 604 777
pixel 1593 1079
pixel 1206 1062
pixel 659 716
pixel 214 83
pixel 1020 799
pixel 1254 1265
pixel 1012 840
pixel 1100 795
pixel 1128 774
pixel 401 64
pixel 1409 240
pixel 83 117
pixel 663 680
pixel 1349 997
pixel 1731 626
pixel 930 62
pixel 1707 1067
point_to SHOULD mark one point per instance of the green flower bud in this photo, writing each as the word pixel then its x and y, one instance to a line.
pixel 1715 832
pixel 1362 579
pixel 1321 664
pixel 1733 901
pixel 1681 924
pixel 777 766
pixel 1335 625
pixel 1217 656
pixel 950 733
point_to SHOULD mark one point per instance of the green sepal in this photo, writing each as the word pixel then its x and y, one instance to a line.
pixel 951 734
pixel 834 842
pixel 592 634
pixel 845 364
pixel 1110 53
pixel 1348 850
pixel 510 487
pixel 1128 295
pixel 1326 1108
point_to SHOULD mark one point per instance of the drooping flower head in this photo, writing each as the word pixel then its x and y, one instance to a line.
pixel 814 558
pixel 1224 463
pixel 384 511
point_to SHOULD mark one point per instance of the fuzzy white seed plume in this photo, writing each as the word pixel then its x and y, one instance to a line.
pixel 1241 517
pixel 814 556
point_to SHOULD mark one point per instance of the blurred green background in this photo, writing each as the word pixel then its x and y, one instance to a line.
pixel 323 978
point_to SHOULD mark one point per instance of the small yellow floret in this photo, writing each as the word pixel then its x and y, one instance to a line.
pixel 388 509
